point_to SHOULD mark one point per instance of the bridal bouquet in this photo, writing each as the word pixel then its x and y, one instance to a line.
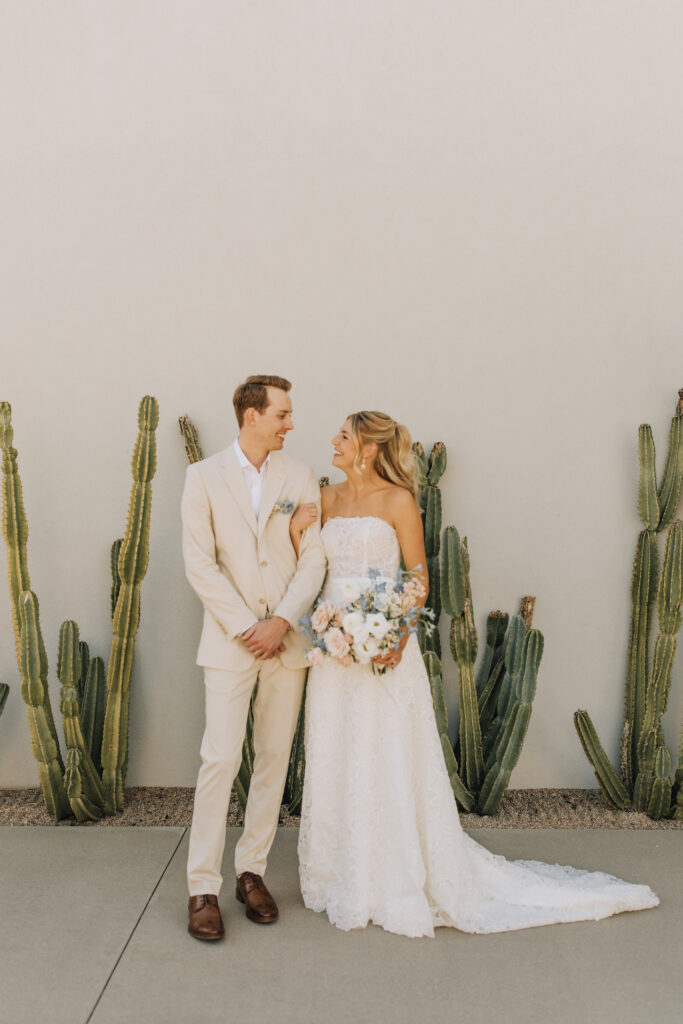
pixel 371 621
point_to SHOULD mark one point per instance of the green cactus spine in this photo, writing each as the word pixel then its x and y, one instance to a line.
pixel 84 654
pixel 430 471
pixel 670 490
pixel 654 785
pixel 609 781
pixel 294 786
pixel 648 501
pixel 490 674
pixel 92 710
pixel 132 566
pixel 35 693
pixel 14 524
pixel 115 578
pixel 87 787
pixel 464 644
pixel 643 596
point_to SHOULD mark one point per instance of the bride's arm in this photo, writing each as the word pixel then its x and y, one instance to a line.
pixel 302 518
pixel 407 522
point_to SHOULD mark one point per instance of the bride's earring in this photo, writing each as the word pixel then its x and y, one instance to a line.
pixel 362 465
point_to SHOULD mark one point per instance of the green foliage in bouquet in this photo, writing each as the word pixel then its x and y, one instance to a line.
pixel 295 774
pixel 644 781
pixel 90 782
pixel 495 701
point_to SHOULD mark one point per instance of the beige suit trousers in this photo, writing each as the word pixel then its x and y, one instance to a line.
pixel 276 710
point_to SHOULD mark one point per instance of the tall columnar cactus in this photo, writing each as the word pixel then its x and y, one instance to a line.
pixel 430 472
pixel 645 781
pixel 506 744
pixel 77 787
pixel 92 709
pixel 494 711
pixel 495 703
pixel 14 524
pixel 83 784
pixel 132 566
pixel 189 433
pixel 15 532
pixel 35 693
pixel 457 602
pixel 294 786
pixel 433 666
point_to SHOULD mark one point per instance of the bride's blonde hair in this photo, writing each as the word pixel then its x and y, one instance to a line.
pixel 395 460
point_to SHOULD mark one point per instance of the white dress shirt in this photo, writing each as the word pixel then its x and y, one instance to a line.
pixel 254 478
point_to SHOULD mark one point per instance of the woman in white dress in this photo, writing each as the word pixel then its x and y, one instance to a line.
pixel 380 838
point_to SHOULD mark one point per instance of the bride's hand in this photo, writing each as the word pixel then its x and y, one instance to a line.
pixel 304 516
pixel 393 657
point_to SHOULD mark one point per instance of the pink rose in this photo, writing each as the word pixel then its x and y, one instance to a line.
pixel 336 644
pixel 320 619
pixel 315 656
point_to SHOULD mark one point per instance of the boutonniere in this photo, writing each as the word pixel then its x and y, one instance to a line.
pixel 284 507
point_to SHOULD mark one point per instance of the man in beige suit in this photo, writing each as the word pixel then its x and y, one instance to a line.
pixel 239 559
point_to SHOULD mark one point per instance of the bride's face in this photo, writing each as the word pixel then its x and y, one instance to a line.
pixel 344 449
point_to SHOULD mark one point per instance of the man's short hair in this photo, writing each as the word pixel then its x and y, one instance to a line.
pixel 253 394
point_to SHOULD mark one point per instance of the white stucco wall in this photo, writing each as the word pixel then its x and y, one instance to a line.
pixel 466 214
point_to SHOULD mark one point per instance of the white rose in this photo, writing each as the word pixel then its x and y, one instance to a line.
pixel 369 649
pixel 377 625
pixel 351 592
pixel 382 602
pixel 360 635
pixel 352 622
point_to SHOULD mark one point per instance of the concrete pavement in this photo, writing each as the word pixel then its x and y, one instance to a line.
pixel 93 931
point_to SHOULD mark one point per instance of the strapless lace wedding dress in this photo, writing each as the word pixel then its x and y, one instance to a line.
pixel 380 838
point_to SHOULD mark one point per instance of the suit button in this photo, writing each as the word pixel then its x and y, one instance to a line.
pixel 261 600
pixel 264 564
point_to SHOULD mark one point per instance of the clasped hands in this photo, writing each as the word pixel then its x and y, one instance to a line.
pixel 264 638
pixel 393 657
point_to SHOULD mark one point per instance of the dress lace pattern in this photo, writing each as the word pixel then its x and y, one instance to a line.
pixel 380 838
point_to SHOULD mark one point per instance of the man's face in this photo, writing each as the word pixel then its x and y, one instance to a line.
pixel 275 421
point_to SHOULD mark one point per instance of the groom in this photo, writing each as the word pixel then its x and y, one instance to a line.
pixel 239 559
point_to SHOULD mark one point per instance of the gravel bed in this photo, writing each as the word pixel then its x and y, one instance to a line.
pixel 521 808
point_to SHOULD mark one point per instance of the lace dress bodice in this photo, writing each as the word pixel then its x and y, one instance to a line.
pixel 356 544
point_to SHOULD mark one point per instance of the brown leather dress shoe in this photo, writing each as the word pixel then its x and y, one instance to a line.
pixel 205 917
pixel 251 890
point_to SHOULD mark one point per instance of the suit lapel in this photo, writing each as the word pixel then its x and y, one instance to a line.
pixel 275 475
pixel 236 484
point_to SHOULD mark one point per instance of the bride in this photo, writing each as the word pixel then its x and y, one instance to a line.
pixel 380 838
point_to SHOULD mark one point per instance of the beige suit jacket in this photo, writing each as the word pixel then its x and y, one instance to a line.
pixel 244 569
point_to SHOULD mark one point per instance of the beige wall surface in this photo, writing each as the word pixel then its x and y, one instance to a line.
pixel 466 214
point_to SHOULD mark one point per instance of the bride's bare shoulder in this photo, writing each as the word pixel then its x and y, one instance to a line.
pixel 399 502
pixel 329 496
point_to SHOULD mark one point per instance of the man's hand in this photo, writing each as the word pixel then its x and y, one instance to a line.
pixel 264 639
